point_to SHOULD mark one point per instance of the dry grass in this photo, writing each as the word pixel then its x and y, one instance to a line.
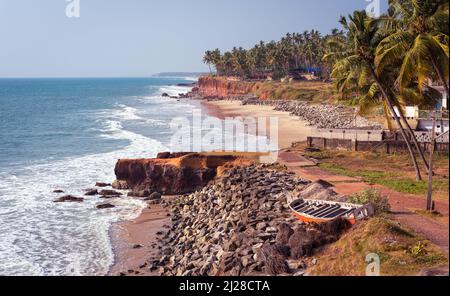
pixel 401 252
pixel 316 92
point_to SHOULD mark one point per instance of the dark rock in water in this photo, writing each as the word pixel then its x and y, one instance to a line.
pixel 110 193
pixel 91 192
pixel 69 198
pixel 100 184
pixel 105 206
pixel 58 191
pixel 187 84
pixel 165 95
pixel 120 185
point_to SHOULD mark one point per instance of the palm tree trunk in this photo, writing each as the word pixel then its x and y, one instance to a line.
pixel 441 77
pixel 399 124
pixel 414 139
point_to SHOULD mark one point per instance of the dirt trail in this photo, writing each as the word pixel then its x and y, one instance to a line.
pixel 404 206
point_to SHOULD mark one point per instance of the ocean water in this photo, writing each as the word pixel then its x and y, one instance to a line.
pixel 67 134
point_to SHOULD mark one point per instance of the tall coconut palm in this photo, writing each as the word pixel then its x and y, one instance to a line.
pixel 418 44
pixel 358 66
pixel 208 59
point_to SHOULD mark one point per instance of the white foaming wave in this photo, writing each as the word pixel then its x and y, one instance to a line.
pixel 126 113
pixel 174 90
pixel 40 237
pixel 191 78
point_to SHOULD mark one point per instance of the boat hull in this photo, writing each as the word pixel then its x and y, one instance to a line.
pixel 316 211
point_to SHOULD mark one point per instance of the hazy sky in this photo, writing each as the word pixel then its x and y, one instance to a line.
pixel 142 37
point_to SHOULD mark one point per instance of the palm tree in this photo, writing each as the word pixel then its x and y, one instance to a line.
pixel 208 59
pixel 418 44
pixel 216 58
pixel 419 41
pixel 358 67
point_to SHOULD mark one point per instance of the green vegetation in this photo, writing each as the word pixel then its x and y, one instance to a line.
pixel 376 63
pixel 401 251
pixel 276 58
pixel 390 61
pixel 302 91
pixel 388 170
pixel 372 196
pixel 391 180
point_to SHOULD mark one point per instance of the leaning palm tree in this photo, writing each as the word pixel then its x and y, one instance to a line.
pixel 418 44
pixel 356 69
pixel 208 59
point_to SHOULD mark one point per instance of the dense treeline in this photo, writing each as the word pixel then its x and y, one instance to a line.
pixel 391 61
pixel 296 51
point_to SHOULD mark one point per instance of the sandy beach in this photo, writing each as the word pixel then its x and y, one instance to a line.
pixel 135 242
pixel 291 128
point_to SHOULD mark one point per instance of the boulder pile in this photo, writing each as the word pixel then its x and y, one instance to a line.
pixel 320 115
pixel 240 224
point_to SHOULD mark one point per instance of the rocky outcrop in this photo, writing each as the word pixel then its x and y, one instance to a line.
pixel 173 174
pixel 220 87
pixel 240 224
pixel 319 115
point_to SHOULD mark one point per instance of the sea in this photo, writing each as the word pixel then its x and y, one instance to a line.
pixel 67 134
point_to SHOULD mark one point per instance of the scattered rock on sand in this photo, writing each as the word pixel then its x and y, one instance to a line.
pixel 69 198
pixel 105 206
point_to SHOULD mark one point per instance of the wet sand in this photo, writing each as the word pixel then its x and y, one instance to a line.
pixel 134 242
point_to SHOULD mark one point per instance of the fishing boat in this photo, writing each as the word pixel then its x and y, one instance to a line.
pixel 319 211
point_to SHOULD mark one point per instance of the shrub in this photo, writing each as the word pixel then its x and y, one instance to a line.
pixel 372 196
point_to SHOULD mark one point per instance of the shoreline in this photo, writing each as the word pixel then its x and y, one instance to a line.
pixel 136 243
pixel 291 128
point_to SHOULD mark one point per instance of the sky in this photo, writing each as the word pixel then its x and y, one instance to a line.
pixel 137 38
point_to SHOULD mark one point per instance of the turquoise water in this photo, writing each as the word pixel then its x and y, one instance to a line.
pixel 67 134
